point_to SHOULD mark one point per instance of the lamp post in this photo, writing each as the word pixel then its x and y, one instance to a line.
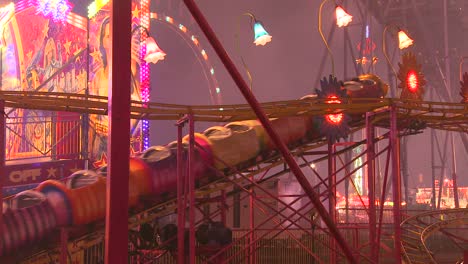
pixel 150 52
pixel 404 41
pixel 342 20
pixel 261 38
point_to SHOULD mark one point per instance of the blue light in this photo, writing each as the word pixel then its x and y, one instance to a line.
pixel 259 30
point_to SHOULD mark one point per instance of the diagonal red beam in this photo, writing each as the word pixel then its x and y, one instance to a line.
pixel 245 90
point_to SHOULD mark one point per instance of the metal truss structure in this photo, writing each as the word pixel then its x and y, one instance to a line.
pixel 248 180
pixel 427 23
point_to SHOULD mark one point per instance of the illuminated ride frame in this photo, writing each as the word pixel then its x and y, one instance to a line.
pixel 393 115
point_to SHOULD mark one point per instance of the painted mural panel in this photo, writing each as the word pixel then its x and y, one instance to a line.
pixel 42 55
pixel 45 55
pixel 99 43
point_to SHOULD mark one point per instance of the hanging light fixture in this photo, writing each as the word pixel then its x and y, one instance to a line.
pixel 403 40
pixel 342 17
pixel 261 35
pixel 342 20
pixel 153 52
pixel 261 38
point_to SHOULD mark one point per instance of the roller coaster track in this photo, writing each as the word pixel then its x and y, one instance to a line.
pixel 444 116
pixel 412 115
pixel 419 228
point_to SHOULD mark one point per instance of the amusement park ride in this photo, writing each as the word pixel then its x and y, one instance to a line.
pixel 181 202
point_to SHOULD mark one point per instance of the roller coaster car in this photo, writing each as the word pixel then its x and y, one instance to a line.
pixel 366 86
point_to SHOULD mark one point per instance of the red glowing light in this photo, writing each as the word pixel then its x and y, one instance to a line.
pixel 412 81
pixel 334 119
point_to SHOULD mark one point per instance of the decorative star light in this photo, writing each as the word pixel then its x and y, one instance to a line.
pixel 334 126
pixel 411 78
pixel 56 9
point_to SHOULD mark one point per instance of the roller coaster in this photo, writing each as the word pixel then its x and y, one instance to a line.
pixel 79 201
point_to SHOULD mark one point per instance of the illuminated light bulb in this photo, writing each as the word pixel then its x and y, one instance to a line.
pixel 153 52
pixel 261 35
pixel 342 17
pixel 403 40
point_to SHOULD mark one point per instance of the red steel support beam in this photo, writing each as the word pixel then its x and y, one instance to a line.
pixel 180 196
pixel 454 173
pixel 2 157
pixel 191 178
pixel 223 207
pixel 396 186
pixel 252 224
pixel 370 134
pixel 332 194
pixel 118 149
pixel 245 90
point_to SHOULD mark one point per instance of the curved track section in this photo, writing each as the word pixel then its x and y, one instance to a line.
pixel 419 233
pixel 443 116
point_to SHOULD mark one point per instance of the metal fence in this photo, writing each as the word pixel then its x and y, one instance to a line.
pixel 270 249
pixel 33 134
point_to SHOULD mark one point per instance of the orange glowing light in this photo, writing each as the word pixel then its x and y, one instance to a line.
pixel 412 81
pixel 334 119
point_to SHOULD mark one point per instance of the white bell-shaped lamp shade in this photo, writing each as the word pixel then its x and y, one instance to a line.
pixel 342 17
pixel 153 52
pixel 403 40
